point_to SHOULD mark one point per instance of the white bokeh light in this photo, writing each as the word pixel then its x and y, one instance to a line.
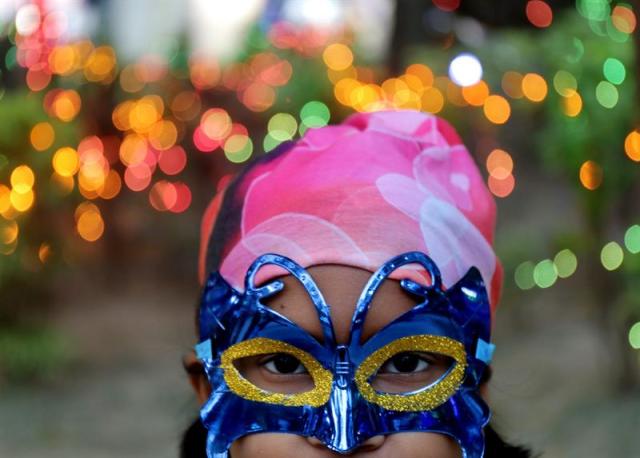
pixel 465 70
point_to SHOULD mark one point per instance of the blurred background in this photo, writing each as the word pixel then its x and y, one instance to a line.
pixel 120 119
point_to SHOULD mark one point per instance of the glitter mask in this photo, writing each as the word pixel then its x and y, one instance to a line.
pixel 343 409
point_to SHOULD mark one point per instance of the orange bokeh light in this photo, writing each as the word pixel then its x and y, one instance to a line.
pixel 497 109
pixel 591 175
pixel 42 136
pixel 534 87
pixel 632 145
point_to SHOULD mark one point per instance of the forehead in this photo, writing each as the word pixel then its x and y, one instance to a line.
pixel 341 286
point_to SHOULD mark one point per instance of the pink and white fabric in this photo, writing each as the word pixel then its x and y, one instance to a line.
pixel 361 192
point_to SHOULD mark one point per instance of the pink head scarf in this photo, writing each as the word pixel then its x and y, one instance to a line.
pixel 358 193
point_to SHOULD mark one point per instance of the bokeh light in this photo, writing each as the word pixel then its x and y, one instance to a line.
pixel 22 178
pixel 545 273
pixel 632 145
pixel 614 70
pixel 282 126
pixel 539 13
pixel 65 161
pixel 634 336
pixel 497 109
pixel 337 56
pixel 534 87
pixel 572 104
pixel 607 94
pixel 89 222
pixel 632 239
pixel 611 256
pixel 566 263
pixel 523 275
pixel 42 136
pixel 591 175
pixel 465 70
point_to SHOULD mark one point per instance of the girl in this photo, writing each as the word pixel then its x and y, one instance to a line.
pixel 349 289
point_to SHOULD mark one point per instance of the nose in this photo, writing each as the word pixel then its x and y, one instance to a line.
pixel 370 445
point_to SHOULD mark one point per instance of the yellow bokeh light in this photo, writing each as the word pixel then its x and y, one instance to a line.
pixel 365 96
pixel 534 87
pixel 337 56
pixel 476 94
pixel 42 136
pixel 22 201
pixel 632 145
pixel 63 60
pixel 145 113
pixel 163 135
pixel 591 175
pixel 22 179
pixel 65 161
pixel 100 65
pixel 497 109
pixel 432 100
pixel 66 105
pixel 133 149
pixel 112 186
pixel 423 72
pixel 120 116
pixel 343 90
pixel 572 103
pixel 89 224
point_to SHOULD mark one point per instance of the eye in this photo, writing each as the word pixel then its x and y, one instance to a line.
pixel 405 363
pixel 284 363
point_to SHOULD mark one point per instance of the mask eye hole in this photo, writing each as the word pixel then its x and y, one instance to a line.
pixel 409 371
pixel 275 372
pixel 413 373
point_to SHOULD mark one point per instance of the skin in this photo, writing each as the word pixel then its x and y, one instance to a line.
pixel 341 285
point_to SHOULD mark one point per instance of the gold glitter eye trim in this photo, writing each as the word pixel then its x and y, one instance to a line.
pixel 426 399
pixel 315 397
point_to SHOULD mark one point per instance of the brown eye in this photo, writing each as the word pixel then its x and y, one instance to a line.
pixel 284 363
pixel 405 363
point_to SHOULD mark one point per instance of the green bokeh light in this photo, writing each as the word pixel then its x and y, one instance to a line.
pixel 606 94
pixel 566 263
pixel 611 256
pixel 614 70
pixel 270 143
pixel 545 273
pixel 315 114
pixel 594 10
pixel 634 336
pixel 282 126
pixel 564 83
pixel 523 275
pixel 632 239
pixel 238 148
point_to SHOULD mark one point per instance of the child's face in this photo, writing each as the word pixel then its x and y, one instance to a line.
pixel 341 286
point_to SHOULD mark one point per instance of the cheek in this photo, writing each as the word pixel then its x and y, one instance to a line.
pixel 273 445
pixel 420 445
pixel 405 445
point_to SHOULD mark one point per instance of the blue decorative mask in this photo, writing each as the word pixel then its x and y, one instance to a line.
pixel 343 408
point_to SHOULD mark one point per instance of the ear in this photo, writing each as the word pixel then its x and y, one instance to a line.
pixel 197 377
pixel 470 305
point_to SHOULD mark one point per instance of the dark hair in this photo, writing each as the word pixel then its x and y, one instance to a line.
pixel 195 439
